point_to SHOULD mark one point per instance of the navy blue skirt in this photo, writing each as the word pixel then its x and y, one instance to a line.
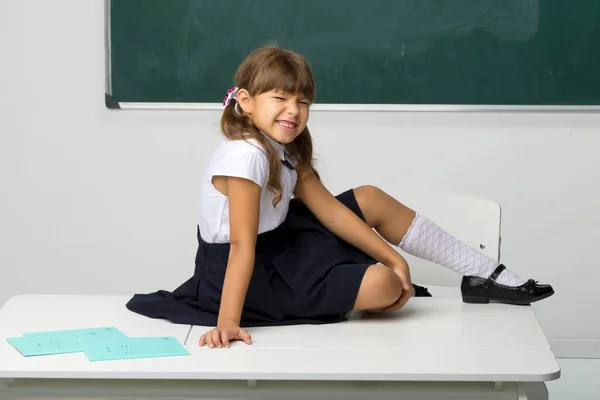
pixel 303 274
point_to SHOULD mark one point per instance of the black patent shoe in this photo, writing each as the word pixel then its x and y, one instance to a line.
pixel 481 290
pixel 421 291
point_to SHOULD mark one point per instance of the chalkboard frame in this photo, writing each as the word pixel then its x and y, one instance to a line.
pixel 115 105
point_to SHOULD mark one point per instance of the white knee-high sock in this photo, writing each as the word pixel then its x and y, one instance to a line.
pixel 428 241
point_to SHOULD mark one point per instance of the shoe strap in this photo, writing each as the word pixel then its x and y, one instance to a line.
pixel 497 272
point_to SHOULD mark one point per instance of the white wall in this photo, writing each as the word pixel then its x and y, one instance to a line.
pixel 92 197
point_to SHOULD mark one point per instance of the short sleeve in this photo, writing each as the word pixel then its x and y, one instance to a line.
pixel 243 160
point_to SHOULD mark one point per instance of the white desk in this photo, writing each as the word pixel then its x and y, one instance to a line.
pixel 432 348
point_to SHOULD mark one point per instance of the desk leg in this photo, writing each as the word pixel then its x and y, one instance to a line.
pixel 4 384
pixel 532 391
pixel 2 387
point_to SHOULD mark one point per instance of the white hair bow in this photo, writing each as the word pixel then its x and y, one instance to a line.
pixel 231 95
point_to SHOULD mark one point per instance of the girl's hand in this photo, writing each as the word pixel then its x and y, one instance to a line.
pixel 403 271
pixel 407 289
pixel 222 334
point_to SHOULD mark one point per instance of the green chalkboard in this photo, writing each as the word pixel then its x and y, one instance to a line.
pixel 458 52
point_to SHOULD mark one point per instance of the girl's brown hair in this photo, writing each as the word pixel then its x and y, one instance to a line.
pixel 265 69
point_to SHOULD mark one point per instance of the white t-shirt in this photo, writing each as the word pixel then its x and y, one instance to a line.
pixel 245 159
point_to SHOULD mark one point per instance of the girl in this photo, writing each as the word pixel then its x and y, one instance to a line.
pixel 275 247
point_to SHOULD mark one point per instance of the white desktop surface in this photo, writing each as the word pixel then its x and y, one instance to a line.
pixel 430 339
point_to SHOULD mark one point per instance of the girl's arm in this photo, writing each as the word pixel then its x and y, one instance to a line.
pixel 341 221
pixel 244 209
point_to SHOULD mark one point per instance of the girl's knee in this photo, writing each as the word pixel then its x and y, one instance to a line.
pixel 367 198
pixel 380 288
pixel 366 192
